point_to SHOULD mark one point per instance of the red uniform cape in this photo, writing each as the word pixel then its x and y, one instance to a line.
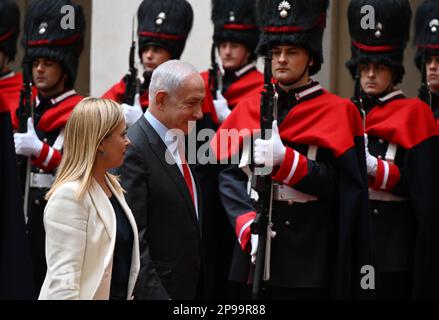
pixel 326 121
pixel 10 89
pixel 54 118
pixel 117 92
pixel 394 122
pixel 249 85
pixel 244 88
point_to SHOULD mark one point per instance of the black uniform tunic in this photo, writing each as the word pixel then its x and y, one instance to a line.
pixel 318 243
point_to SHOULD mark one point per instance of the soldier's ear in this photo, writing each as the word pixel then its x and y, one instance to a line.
pixel 311 62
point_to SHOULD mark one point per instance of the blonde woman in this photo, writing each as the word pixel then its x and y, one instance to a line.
pixel 92 248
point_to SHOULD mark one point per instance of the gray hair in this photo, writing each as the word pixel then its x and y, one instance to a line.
pixel 169 76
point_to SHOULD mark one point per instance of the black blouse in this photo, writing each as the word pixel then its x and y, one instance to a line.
pixel 122 253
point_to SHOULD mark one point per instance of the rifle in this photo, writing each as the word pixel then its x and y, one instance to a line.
pixel 262 224
pixel 215 78
pixel 131 81
pixel 424 90
pixel 358 99
pixel 25 111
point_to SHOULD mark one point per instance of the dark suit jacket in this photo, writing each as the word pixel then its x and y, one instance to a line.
pixel 169 232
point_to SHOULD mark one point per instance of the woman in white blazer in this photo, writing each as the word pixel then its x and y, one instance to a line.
pixel 92 248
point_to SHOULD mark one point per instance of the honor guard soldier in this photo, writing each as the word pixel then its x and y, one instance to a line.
pixel 427 54
pixel 401 152
pixel 317 221
pixel 236 36
pixel 163 28
pixel 51 61
pixel 10 82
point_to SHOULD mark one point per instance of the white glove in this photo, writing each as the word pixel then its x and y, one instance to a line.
pixel 371 161
pixel 132 113
pixel 221 107
pixel 271 152
pixel 27 144
pixel 254 242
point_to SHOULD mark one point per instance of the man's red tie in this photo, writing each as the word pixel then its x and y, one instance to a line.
pixel 187 177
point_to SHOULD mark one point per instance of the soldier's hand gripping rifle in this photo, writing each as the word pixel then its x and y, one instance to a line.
pixel 131 81
pixel 25 111
pixel 262 225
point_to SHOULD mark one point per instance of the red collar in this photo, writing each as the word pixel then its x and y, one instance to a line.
pixel 405 122
pixel 8 75
pixel 56 117
pixel 59 98
pixel 326 121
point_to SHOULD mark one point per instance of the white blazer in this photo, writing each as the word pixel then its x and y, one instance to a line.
pixel 80 239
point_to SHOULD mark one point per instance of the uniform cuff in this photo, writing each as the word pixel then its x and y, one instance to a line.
pixel 387 176
pixel 38 161
pixel 294 168
pixel 48 159
pixel 242 228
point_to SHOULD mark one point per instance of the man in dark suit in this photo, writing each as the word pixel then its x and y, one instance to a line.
pixel 161 188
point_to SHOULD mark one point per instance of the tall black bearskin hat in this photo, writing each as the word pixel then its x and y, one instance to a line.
pixel 427 30
pixel 235 20
pixel 9 27
pixel 296 22
pixel 386 42
pixel 48 34
pixel 164 23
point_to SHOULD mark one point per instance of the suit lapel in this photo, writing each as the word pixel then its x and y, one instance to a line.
pixel 103 207
pixel 106 213
pixel 159 149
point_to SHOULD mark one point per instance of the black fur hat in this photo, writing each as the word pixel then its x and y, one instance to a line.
pixel 164 23
pixel 296 22
pixel 235 20
pixel 386 42
pixel 9 27
pixel 47 34
pixel 427 30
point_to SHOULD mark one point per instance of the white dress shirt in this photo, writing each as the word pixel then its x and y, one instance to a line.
pixel 173 140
